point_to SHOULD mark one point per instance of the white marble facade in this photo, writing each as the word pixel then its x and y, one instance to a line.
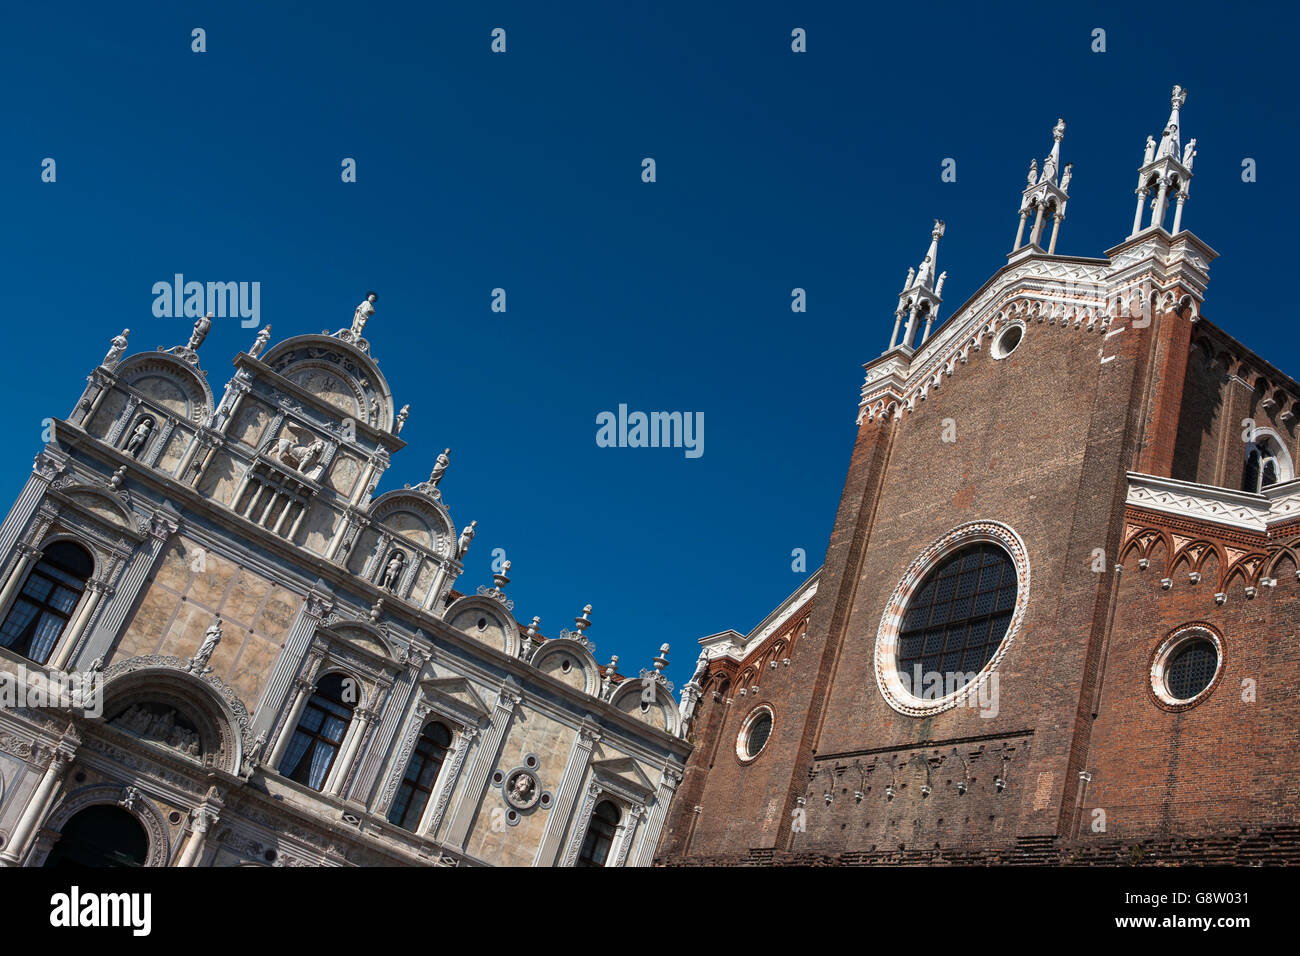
pixel 245 587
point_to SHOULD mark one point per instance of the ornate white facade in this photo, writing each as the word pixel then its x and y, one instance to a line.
pixel 287 676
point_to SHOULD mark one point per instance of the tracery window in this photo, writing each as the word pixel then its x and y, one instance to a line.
pixel 955 622
pixel 42 609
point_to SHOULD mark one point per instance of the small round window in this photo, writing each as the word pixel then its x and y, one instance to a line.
pixel 754 734
pixel 1185 666
pixel 1008 340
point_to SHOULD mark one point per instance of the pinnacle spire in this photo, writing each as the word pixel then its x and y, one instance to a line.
pixel 920 298
pixel 1166 169
pixel 1043 196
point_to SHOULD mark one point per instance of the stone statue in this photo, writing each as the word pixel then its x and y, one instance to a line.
pixel 211 638
pixel 139 436
pixel 1167 141
pixel 607 683
pixel 200 332
pixel 259 343
pixel 1033 173
pixel 1150 154
pixel 466 536
pixel 440 467
pixel 363 313
pixel 117 348
pixel 1049 168
pixel 938 289
pixel 1065 176
pixel 911 274
pixel 1189 153
pixel 300 456
pixel 393 571
pixel 401 418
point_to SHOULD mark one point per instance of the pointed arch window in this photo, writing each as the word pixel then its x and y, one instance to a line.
pixel 1266 464
pixel 600 835
pixel 320 731
pixel 421 773
pixel 42 609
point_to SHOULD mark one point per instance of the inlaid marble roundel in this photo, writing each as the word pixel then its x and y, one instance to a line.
pixel 951 620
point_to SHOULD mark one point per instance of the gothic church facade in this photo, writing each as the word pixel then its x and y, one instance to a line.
pixel 1056 620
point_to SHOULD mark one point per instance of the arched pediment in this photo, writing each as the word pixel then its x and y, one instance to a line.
pixel 158 701
pixel 107 507
pixel 169 382
pixel 662 713
pixel 483 619
pixel 416 518
pixel 581 672
pixel 337 373
pixel 366 636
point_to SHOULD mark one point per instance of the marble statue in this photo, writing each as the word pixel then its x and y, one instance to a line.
pixel 1189 152
pixel 211 638
pixel 117 348
pixel 1049 168
pixel 401 418
pixel 521 787
pixel 466 536
pixel 1150 154
pixel 363 313
pixel 139 436
pixel 440 467
pixel 1167 141
pixel 393 571
pixel 1033 172
pixel 200 332
pixel 1065 176
pixel 259 343
pixel 300 455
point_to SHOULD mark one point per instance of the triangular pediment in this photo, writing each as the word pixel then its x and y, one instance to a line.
pixel 623 773
pixel 455 694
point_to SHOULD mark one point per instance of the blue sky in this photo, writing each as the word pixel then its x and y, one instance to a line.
pixel 522 171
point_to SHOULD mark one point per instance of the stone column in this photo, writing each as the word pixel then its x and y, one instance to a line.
pixel 201 819
pixel 1036 233
pixel 645 851
pixel 629 830
pixel 437 807
pixel 27 556
pixel 575 770
pixel 95 591
pixel 1178 212
pixel 104 633
pixel 386 733
pixel 303 689
pixel 1142 194
pixel 318 602
pixel 1020 233
pixel 1162 200
pixel 579 834
pixel 1056 227
pixel 40 802
pixel 898 321
pixel 348 752
pixel 44 471
pixel 485 758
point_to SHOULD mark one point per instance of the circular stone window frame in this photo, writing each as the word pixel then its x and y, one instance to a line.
pixel 1164 652
pixel 886 651
pixel 742 738
pixel 998 350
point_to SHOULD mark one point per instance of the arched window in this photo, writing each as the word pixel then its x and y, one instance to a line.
pixel 417 784
pixel 319 733
pixel 1264 465
pixel 41 611
pixel 600 835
